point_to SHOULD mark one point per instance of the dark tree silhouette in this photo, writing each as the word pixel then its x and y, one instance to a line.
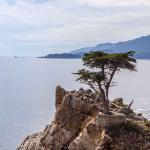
pixel 101 70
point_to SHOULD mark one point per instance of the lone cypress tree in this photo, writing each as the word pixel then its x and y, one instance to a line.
pixel 101 70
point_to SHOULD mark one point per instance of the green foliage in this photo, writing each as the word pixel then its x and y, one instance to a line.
pixel 90 76
pixel 98 59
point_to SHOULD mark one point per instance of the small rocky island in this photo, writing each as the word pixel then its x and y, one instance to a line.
pixel 80 124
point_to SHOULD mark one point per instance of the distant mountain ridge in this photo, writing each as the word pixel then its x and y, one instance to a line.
pixel 141 46
pixel 81 50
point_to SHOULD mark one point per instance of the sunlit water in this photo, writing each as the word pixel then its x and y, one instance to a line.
pixel 27 93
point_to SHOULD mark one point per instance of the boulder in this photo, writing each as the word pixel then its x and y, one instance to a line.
pixel 105 120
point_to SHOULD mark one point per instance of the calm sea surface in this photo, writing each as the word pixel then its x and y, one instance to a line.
pixel 27 93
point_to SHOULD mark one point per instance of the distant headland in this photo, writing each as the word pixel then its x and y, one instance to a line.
pixel 140 45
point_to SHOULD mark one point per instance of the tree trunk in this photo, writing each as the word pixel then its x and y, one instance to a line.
pixel 106 106
pixel 105 99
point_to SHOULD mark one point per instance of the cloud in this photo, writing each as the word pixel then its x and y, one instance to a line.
pixel 66 25
pixel 114 2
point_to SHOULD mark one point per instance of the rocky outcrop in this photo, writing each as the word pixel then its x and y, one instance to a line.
pixel 60 93
pixel 80 124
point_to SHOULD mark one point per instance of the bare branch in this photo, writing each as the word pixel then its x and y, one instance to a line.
pixel 129 106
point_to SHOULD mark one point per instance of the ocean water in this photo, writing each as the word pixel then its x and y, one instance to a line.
pixel 27 93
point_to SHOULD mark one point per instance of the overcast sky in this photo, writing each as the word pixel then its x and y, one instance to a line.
pixel 39 27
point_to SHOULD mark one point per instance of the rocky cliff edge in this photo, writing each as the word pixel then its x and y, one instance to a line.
pixel 80 124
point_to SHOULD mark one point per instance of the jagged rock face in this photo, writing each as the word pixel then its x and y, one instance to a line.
pixel 60 93
pixel 68 121
pixel 79 124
